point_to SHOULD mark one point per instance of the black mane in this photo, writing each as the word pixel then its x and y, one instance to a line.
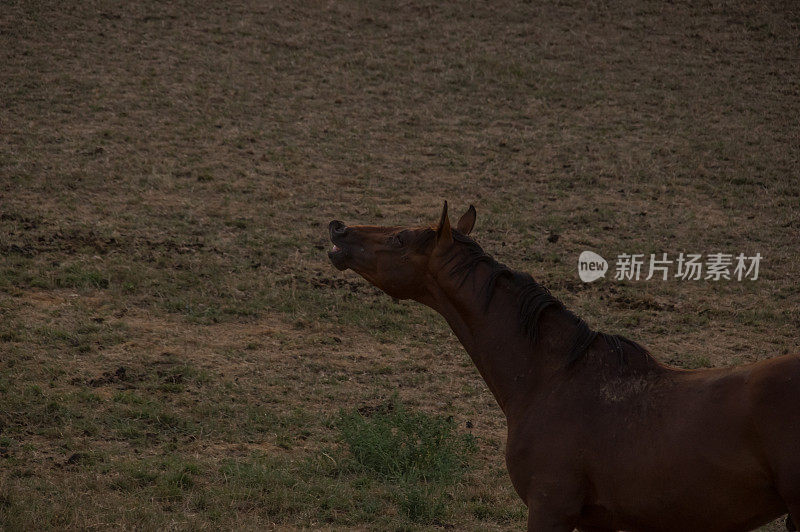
pixel 532 298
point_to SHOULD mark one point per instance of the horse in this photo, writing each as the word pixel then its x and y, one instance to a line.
pixel 601 436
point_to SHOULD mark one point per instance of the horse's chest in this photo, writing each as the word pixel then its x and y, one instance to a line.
pixel 539 457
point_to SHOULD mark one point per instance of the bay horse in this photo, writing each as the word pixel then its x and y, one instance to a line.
pixel 601 436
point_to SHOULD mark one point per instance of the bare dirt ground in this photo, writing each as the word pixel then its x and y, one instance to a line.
pixel 175 345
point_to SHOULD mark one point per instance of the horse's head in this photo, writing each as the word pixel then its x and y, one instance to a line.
pixel 401 261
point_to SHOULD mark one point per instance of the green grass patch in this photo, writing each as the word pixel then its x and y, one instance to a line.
pixel 396 443
pixel 420 454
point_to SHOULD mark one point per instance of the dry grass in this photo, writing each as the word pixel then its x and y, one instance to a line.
pixel 167 171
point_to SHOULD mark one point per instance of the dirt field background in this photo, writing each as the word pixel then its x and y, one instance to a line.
pixel 176 348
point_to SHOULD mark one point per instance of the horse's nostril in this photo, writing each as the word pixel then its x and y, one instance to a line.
pixel 336 227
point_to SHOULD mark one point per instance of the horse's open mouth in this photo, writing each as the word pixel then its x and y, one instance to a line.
pixel 338 257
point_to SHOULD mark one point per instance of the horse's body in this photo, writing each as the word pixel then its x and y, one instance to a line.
pixel 601 436
pixel 658 448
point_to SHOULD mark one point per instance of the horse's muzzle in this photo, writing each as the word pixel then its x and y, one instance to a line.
pixel 338 255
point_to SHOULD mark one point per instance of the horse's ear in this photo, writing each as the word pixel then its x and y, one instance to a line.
pixel 467 221
pixel 443 233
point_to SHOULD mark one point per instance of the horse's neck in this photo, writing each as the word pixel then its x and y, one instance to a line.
pixel 504 355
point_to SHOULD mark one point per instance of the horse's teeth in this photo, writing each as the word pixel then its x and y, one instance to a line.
pixel 335 248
